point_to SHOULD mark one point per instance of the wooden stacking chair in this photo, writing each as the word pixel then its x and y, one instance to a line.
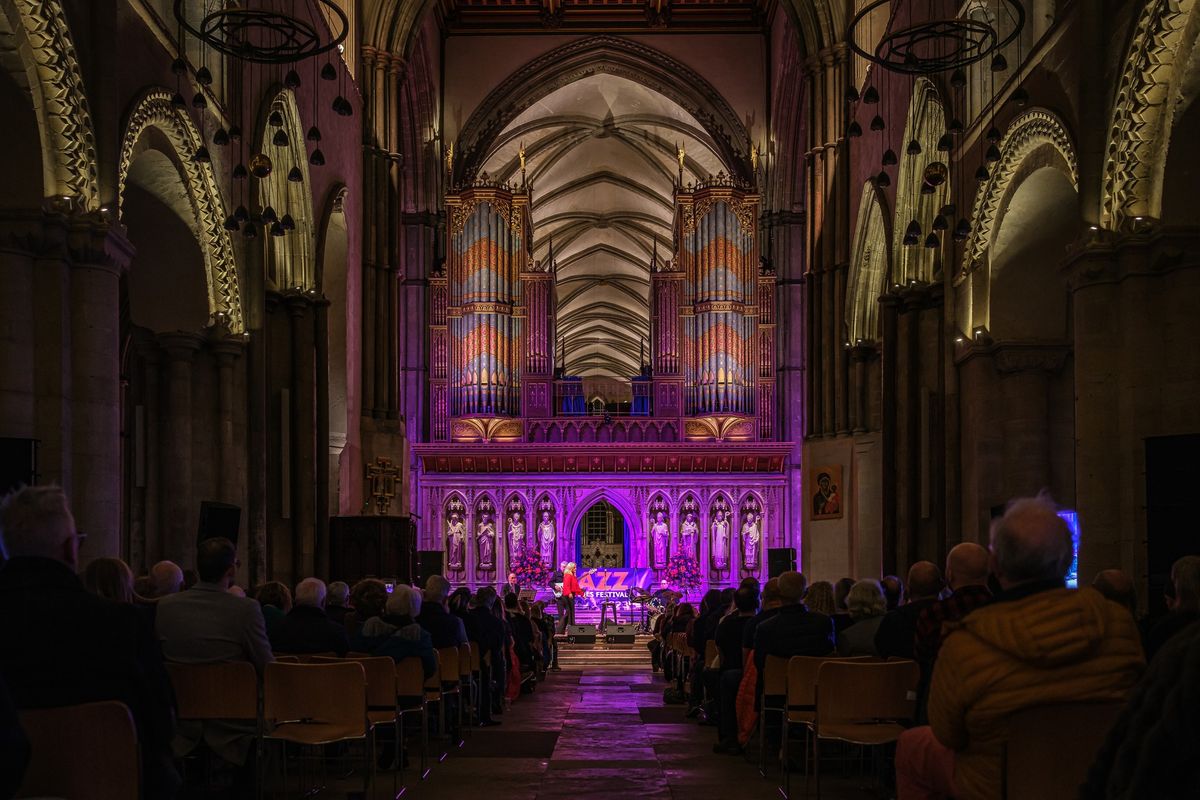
pixel 466 679
pixel 433 694
pixel 864 703
pixel 380 672
pixel 774 682
pixel 318 704
pixel 1050 748
pixel 87 750
pixel 448 658
pixel 411 699
pixel 223 691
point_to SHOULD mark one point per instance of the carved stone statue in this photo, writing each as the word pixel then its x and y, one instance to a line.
pixel 485 539
pixel 660 537
pixel 720 541
pixel 689 532
pixel 546 537
pixel 516 536
pixel 456 534
pixel 751 536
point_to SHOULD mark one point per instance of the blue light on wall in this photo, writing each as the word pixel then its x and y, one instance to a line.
pixel 1072 520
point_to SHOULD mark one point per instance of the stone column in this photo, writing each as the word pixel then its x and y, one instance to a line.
pixel 99 255
pixel 16 332
pixel 227 351
pixel 1025 372
pixel 177 536
pixel 151 513
pixel 303 429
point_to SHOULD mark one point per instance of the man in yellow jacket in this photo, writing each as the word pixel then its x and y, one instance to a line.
pixel 1037 643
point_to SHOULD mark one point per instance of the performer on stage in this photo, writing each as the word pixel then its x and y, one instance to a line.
pixel 560 602
pixel 570 592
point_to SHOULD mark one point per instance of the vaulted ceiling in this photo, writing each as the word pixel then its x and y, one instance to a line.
pixel 601 156
pixel 508 16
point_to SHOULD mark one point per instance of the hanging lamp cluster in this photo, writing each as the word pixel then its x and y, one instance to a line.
pixel 918 42
pixel 265 42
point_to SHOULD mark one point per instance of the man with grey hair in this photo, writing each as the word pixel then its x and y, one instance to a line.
pixel 167 578
pixel 61 645
pixel 337 602
pixel 306 629
pixel 1183 608
pixel 1038 643
pixel 446 629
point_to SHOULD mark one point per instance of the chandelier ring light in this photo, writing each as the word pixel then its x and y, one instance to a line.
pixel 264 35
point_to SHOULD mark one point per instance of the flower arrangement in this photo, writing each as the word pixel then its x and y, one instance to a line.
pixel 530 570
pixel 683 571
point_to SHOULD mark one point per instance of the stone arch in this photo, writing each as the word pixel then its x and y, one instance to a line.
pixel 40 55
pixel 614 498
pixel 925 125
pixel 293 254
pixel 1033 131
pixel 869 265
pixel 154 111
pixel 1154 86
pixel 603 55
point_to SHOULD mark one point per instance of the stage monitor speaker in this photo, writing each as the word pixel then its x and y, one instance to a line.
pixel 581 634
pixel 219 520
pixel 619 633
pixel 429 562
pixel 18 463
pixel 780 560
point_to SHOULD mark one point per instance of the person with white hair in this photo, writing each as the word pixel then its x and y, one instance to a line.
pixel 337 602
pixel 61 645
pixel 395 633
pixel 306 629
pixel 1037 643
pixel 434 615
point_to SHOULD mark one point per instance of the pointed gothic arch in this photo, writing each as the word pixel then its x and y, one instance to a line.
pixel 155 112
pixel 925 125
pixel 41 58
pixel 293 254
pixel 869 265
pixel 1159 65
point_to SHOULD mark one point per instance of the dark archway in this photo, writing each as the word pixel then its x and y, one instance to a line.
pixel 602 538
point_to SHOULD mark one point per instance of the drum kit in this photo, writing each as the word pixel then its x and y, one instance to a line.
pixel 652 605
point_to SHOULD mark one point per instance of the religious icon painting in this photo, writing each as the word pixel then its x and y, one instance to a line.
pixel 826 491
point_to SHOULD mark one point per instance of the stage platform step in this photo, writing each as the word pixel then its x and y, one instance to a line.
pixel 601 654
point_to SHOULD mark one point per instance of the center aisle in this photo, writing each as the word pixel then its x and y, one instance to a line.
pixel 593 733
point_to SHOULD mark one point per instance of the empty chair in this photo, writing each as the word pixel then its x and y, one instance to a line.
pixel 380 672
pixel 226 691
pixel 863 702
pixel 774 685
pixel 1040 762
pixel 411 699
pixel 84 752
pixel 317 704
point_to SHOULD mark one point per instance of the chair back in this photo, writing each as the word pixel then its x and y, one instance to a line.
pixel 476 660
pixel 88 750
pixel 334 693
pixel 1040 762
pixel 775 676
pixel 678 643
pixel 227 690
pixel 410 678
pixel 448 664
pixel 802 681
pixel 464 662
pixel 710 652
pixel 380 672
pixel 858 691
pixel 433 684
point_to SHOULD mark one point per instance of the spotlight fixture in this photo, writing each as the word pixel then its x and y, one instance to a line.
pixel 855 130
pixel 235 133
pixel 275 120
pixel 177 101
pixel 204 76
pixel 958 78
pixel 962 230
pixel 221 137
pixel 999 63
pixel 292 80
pixel 280 139
pixel 877 123
pixel 269 215
pixel 945 143
pixel 317 159
pixel 250 231
pixel 993 134
pixel 914 148
pixel 314 134
pixel 982 173
pixel 294 175
pixel 277 229
pixel 912 234
pixel 1020 97
pixel 851 94
pixel 882 180
pixel 328 73
pixel 199 101
pixel 241 214
pixel 871 96
pixel 889 158
pixel 940 224
pixel 993 154
pixel 231 223
pixel 201 155
pixel 240 172
pixel 932 241
pixel 287 222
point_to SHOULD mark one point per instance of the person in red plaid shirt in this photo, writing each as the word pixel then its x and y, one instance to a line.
pixel 966 575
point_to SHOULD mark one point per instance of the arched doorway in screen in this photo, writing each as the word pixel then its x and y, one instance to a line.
pixel 602 538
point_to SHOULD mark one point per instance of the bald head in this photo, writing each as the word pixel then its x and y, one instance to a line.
pixel 1030 543
pixel 310 592
pixel 36 521
pixel 967 565
pixel 924 580
pixel 167 578
pixel 1118 587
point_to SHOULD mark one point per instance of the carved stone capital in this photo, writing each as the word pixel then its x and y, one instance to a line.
pixel 1107 258
pixel 1014 357
pixel 180 346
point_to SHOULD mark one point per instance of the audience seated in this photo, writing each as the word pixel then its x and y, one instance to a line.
pixel 729 670
pixel 61 645
pixel 446 629
pixel 167 578
pixel 772 601
pixel 275 600
pixel 337 602
pixel 368 598
pixel 841 617
pixel 967 577
pixel 14 746
pixel 1151 751
pixel 794 631
pixel 893 591
pixel 898 630
pixel 109 578
pixel 1183 608
pixel 1037 643
pixel 513 586
pixel 488 631
pixel 395 633
pixel 522 632
pixel 819 598
pixel 867 609
pixel 306 629
pixel 1118 587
